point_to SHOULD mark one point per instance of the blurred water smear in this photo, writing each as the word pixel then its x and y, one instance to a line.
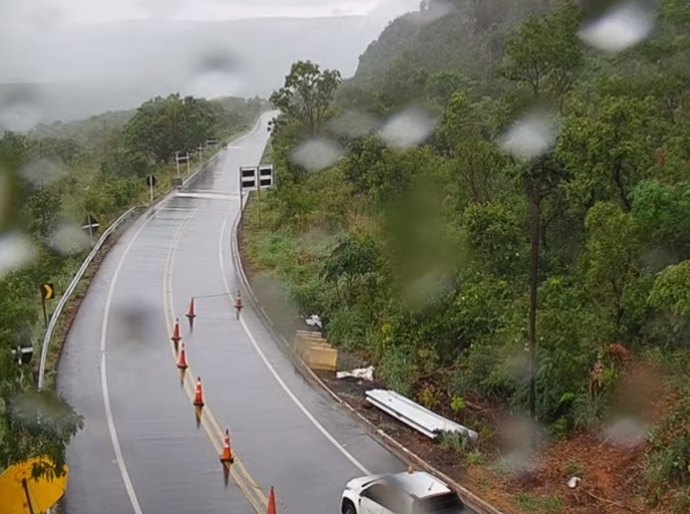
pixel 16 251
pixel 531 136
pixel 317 154
pixel 621 27
pixel 69 239
pixel 407 129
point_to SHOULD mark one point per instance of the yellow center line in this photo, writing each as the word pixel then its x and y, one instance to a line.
pixel 254 494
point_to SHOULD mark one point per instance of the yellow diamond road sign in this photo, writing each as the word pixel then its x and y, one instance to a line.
pixel 48 291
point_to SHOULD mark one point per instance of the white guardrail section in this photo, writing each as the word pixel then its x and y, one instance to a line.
pixel 415 416
pixel 70 289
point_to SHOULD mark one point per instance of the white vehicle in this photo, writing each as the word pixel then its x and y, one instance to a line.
pixel 403 493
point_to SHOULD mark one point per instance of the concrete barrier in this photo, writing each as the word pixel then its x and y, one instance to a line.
pixel 315 351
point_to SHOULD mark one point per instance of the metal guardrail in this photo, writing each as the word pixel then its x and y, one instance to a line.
pixel 415 416
pixel 70 289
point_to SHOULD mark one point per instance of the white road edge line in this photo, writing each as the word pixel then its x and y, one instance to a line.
pixel 273 371
pixel 104 378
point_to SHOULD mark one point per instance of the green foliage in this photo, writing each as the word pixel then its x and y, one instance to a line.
pixel 670 294
pixel 607 149
pixel 495 232
pixel 163 126
pixel 611 258
pixel 567 327
pixel 307 94
pixel 455 441
pixel 663 214
pixel 547 505
pixel 38 424
pixel 429 273
pixel 588 412
pixel 347 328
pixel 668 463
pixel 398 369
pixel 546 55
pixel 457 404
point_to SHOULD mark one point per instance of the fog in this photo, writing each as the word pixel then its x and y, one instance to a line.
pixel 72 58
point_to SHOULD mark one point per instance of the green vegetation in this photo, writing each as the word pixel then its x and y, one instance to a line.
pixel 549 505
pixel 420 259
pixel 51 178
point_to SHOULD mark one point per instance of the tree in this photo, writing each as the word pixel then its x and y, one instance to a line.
pixel 546 54
pixel 307 94
pixel 610 260
pixel 467 134
pixel 163 126
pixel 662 212
pixel 607 149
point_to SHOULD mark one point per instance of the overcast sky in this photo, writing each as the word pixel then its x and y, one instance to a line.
pixel 121 52
pixel 47 12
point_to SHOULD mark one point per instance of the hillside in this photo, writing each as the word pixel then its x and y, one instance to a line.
pixel 513 252
pixel 465 35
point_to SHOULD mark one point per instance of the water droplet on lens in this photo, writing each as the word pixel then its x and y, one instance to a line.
pixel 19 109
pixel 407 129
pixel 42 172
pixel 317 154
pixel 16 251
pixel 619 28
pixel 69 239
pixel 354 124
pixel 531 136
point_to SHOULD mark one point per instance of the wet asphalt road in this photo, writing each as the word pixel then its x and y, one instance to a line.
pixel 142 449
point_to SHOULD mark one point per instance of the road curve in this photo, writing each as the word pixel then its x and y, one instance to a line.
pixel 143 450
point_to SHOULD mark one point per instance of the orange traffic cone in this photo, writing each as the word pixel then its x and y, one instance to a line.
pixel 199 394
pixel 272 502
pixel 226 457
pixel 176 337
pixel 191 313
pixel 182 361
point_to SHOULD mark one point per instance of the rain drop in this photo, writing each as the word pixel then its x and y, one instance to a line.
pixel 42 172
pixel 16 251
pixel 19 110
pixel 530 137
pixel 69 239
pixel 354 124
pixel 626 433
pixel 214 74
pixel 407 129
pixel 5 198
pixel 619 28
pixel 317 154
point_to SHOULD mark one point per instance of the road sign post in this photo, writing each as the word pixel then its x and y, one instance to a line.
pixel 151 182
pixel 90 225
pixel 47 293
pixel 181 158
pixel 255 178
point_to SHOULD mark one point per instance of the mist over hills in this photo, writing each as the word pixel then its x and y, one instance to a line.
pixel 117 65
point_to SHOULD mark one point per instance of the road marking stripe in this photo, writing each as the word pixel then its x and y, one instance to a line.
pixel 104 378
pixel 273 371
pixel 252 492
